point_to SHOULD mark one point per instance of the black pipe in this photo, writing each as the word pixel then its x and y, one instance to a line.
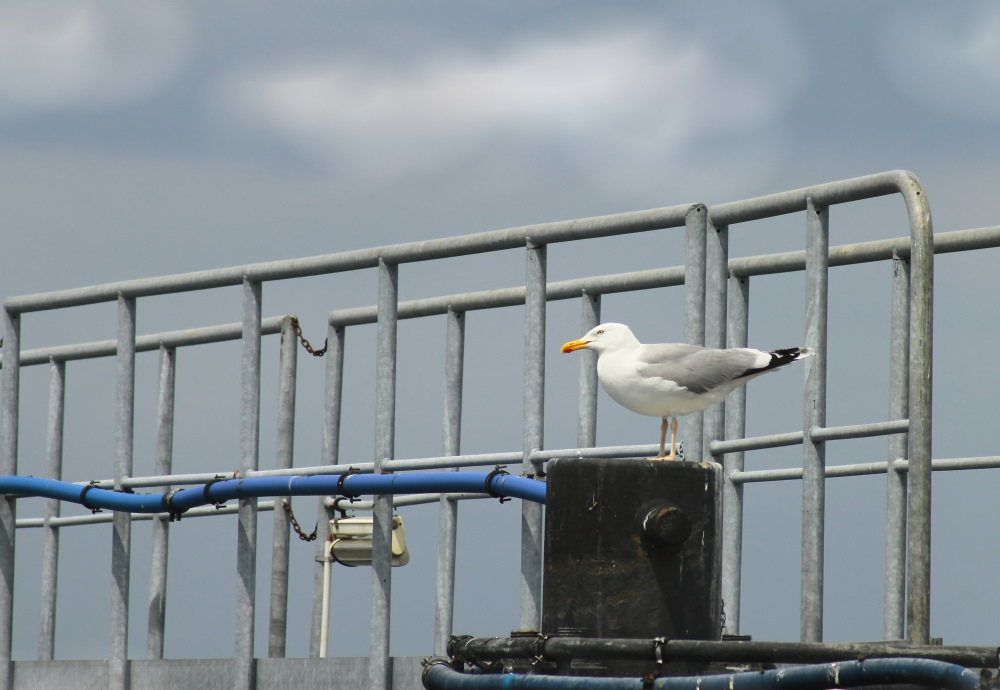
pixel 844 674
pixel 469 649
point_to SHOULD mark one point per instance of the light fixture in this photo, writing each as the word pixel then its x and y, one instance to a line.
pixel 351 541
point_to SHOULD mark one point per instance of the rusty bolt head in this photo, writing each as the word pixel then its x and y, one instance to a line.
pixel 666 526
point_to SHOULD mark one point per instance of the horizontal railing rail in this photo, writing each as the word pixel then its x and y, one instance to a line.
pixel 464 245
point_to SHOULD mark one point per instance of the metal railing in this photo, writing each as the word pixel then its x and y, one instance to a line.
pixel 716 300
pixel 534 240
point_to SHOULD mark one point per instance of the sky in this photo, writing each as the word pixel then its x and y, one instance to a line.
pixel 150 138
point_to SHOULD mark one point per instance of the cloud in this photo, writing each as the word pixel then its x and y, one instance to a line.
pixel 62 54
pixel 946 58
pixel 628 94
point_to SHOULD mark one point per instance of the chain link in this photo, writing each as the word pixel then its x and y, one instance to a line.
pixel 305 343
pixel 295 523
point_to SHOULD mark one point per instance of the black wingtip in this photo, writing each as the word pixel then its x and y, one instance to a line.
pixel 780 358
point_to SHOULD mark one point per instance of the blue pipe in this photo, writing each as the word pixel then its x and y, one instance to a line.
pixel 350 485
pixel 843 674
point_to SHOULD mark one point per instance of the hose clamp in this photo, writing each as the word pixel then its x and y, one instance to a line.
pixel 340 484
pixel 168 505
pixel 83 497
pixel 496 472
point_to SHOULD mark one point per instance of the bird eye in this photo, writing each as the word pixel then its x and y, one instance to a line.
pixel 600 332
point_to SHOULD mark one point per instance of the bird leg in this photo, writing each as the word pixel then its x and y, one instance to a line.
pixel 670 423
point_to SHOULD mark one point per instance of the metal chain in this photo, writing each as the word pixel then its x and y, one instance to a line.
pixel 305 343
pixel 295 523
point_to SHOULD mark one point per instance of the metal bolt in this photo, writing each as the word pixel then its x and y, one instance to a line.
pixel 666 525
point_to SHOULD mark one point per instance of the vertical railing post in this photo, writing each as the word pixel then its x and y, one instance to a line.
pixel 732 494
pixel 895 528
pixel 814 415
pixel 380 663
pixel 161 530
pixel 918 497
pixel 534 411
pixel 586 424
pixel 716 286
pixel 9 396
pixel 695 229
pixel 283 460
pixel 121 544
pixel 50 547
pixel 329 452
pixel 246 538
pixel 454 371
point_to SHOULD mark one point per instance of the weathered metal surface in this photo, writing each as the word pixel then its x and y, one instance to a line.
pixel 605 574
pixel 121 535
pixel 246 531
pixel 814 416
pixel 156 624
pixel 385 435
pixel 533 430
pixel 444 585
pixel 733 463
pixel 484 649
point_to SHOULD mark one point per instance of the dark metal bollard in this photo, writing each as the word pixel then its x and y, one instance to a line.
pixel 633 549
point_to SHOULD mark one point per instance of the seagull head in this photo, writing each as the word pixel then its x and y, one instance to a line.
pixel 607 336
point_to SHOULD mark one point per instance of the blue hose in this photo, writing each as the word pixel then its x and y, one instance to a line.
pixel 220 491
pixel 844 674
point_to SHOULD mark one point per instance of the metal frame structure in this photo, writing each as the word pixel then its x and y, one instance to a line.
pixel 716 299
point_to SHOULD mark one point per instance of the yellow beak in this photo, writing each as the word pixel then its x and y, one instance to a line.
pixel 575 345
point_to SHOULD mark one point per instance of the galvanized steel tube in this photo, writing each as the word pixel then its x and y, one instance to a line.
pixel 284 447
pixel 333 389
pixel 835 433
pixel 826 194
pixel 918 526
pixel 513 296
pixel 454 372
pixel 161 526
pixel 895 499
pixel 246 543
pixel 463 245
pixel 586 424
pixel 534 415
pixel 695 232
pixel 789 473
pixel 732 494
pixel 404 500
pixel 379 661
pixel 9 395
pixel 100 518
pixel 50 546
pixel 479 459
pixel 716 286
pixel 146 343
pixel 814 415
pixel 121 542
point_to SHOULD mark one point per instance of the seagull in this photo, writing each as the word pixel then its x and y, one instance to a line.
pixel 668 380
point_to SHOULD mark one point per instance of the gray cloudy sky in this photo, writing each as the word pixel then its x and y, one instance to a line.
pixel 149 137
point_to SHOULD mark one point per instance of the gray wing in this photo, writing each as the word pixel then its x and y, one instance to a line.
pixel 698 369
